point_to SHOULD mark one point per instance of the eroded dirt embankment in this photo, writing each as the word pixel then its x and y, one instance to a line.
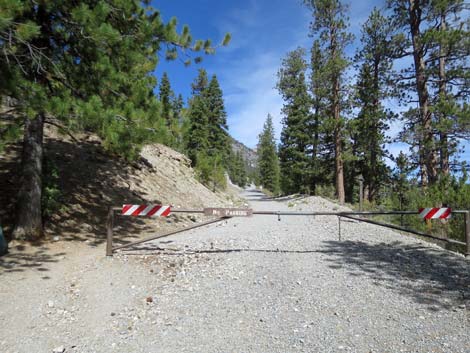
pixel 89 180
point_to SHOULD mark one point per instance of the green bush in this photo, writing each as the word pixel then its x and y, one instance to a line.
pixel 448 192
pixel 327 191
pixel 51 194
pixel 210 171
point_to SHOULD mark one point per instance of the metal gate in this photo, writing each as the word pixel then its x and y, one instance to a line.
pixel 227 213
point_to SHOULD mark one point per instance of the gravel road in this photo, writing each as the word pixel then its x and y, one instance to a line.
pixel 247 285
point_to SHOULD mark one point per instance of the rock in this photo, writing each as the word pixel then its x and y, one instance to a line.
pixel 60 349
pixel 50 304
pixel 56 238
pixel 149 300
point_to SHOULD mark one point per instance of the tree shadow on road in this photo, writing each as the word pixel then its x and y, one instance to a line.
pixel 432 277
pixel 21 259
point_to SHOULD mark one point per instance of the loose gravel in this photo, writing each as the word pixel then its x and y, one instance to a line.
pixel 245 285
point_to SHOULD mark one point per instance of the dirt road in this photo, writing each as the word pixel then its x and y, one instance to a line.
pixel 248 285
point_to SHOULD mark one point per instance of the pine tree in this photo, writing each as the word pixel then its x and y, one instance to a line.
pixel 177 106
pixel 409 17
pixel 197 138
pixel 329 27
pixel 295 139
pixel 179 121
pixel 89 66
pixel 200 84
pixel 207 136
pixel 268 161
pixel 372 87
pixel 322 145
pixel 437 79
pixel 449 77
pixel 217 120
pixel 167 97
pixel 240 167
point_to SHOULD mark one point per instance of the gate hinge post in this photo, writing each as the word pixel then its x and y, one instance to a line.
pixel 109 229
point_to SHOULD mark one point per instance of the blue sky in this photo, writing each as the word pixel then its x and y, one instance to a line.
pixel 263 31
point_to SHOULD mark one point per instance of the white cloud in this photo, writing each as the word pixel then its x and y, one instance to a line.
pixel 250 95
pixel 248 69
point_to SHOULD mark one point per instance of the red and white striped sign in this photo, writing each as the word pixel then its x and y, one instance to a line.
pixel 434 213
pixel 144 210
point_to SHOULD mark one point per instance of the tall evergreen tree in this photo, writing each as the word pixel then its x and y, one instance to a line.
pixel 177 106
pixel 372 87
pixel 295 139
pixel 167 98
pixel 322 144
pixel 207 142
pixel 437 78
pixel 165 95
pixel 200 84
pixel 179 121
pixel 197 138
pixel 87 65
pixel 409 17
pixel 268 161
pixel 329 27
pixel 449 77
pixel 217 120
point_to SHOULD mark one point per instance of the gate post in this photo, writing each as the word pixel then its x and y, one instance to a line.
pixel 109 229
pixel 339 228
pixel 467 233
pixel 361 192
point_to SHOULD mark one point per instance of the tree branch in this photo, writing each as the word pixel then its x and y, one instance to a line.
pixel 60 126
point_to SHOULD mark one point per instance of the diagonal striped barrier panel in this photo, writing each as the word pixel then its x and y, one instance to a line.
pixel 146 210
pixel 435 213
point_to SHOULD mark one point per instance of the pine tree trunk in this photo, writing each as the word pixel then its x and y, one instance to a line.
pixel 373 174
pixel 423 173
pixel 429 160
pixel 315 152
pixel 29 218
pixel 338 146
pixel 443 136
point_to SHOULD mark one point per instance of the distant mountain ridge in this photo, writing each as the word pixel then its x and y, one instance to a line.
pixel 249 155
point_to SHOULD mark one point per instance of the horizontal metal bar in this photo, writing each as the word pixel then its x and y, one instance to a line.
pixel 168 234
pixel 289 213
pixel 404 230
pixel 182 210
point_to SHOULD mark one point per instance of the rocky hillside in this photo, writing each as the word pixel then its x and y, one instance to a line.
pixel 86 180
pixel 248 154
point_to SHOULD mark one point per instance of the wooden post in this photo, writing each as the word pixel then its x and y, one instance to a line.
pixel 339 228
pixel 361 192
pixel 109 228
pixel 467 233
